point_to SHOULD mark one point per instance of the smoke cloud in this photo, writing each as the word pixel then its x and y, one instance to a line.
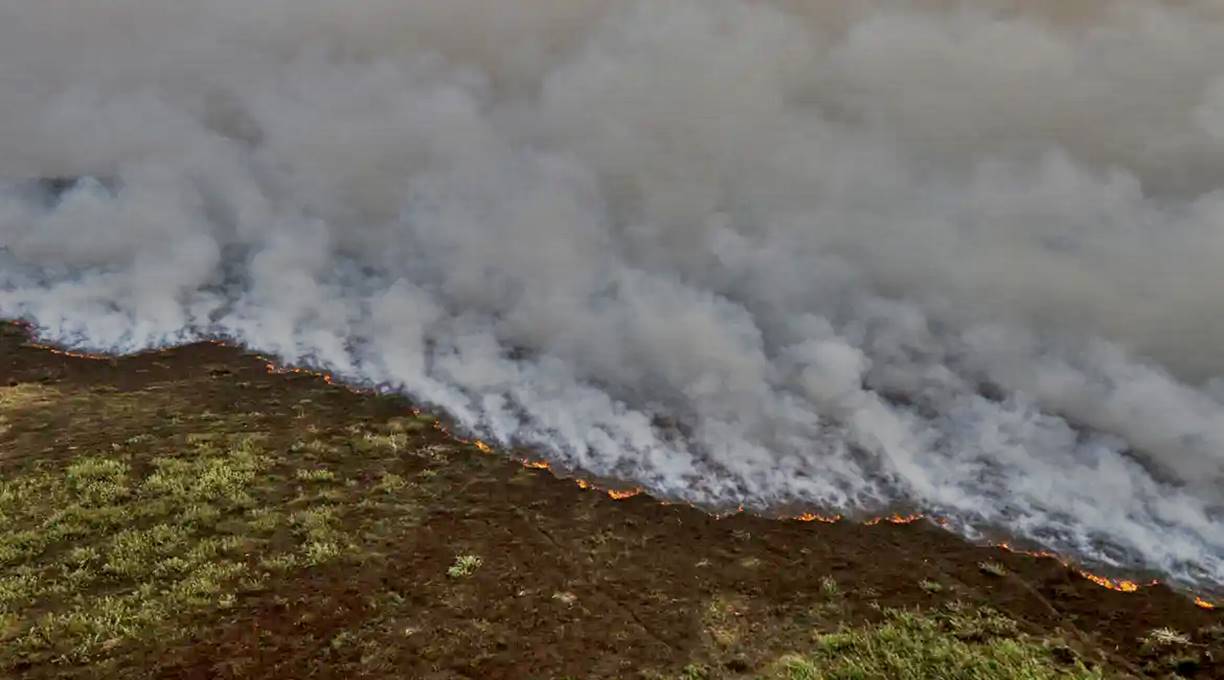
pixel 962 257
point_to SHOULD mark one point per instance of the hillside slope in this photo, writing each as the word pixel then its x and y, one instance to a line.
pixel 189 513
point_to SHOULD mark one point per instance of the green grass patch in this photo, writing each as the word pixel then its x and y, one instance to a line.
pixel 105 550
pixel 464 566
pixel 953 643
pixel 316 475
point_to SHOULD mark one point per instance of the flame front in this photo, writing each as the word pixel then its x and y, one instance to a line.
pixel 824 519
pixel 275 369
pixel 895 519
pixel 66 353
pixel 1119 585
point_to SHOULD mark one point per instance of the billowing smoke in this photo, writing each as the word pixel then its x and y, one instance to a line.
pixel 962 257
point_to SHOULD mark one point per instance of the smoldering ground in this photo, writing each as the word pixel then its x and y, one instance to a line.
pixel 957 256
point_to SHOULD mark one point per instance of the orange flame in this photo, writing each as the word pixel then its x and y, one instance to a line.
pixel 824 519
pixel 738 511
pixel 328 378
pixel 895 519
pixel 1040 554
pixel 451 435
pixel 66 353
pixel 1123 586
pixel 1119 585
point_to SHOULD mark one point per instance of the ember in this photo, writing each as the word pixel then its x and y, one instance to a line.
pixel 825 519
pixel 895 519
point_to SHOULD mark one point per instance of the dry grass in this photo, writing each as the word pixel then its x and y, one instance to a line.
pixel 954 643
pixel 107 555
pixel 141 538
pixel 464 566
pixel 991 568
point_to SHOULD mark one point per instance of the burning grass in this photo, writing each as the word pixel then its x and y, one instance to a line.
pixel 161 521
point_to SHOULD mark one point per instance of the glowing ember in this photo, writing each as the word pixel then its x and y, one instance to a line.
pixel 1121 586
pixel 328 378
pixel 1118 585
pixel 895 519
pixel 825 519
pixel 1040 554
pixel 451 435
pixel 66 353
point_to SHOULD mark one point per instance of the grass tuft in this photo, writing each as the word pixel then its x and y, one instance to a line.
pixel 464 566
pixel 96 555
pixel 315 475
pixel 391 483
pixel 992 568
pixel 954 643
pixel 1166 637
pixel 695 671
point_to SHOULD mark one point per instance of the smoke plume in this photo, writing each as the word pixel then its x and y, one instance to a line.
pixel 961 257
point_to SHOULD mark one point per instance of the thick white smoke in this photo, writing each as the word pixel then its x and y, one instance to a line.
pixel 958 256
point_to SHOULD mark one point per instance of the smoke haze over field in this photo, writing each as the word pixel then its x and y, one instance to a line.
pixel 964 257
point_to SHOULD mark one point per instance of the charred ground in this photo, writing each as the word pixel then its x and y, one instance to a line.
pixel 186 513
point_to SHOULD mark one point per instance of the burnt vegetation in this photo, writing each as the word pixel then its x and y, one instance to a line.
pixel 188 513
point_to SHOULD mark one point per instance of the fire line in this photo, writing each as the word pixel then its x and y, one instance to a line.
pixel 1118 585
